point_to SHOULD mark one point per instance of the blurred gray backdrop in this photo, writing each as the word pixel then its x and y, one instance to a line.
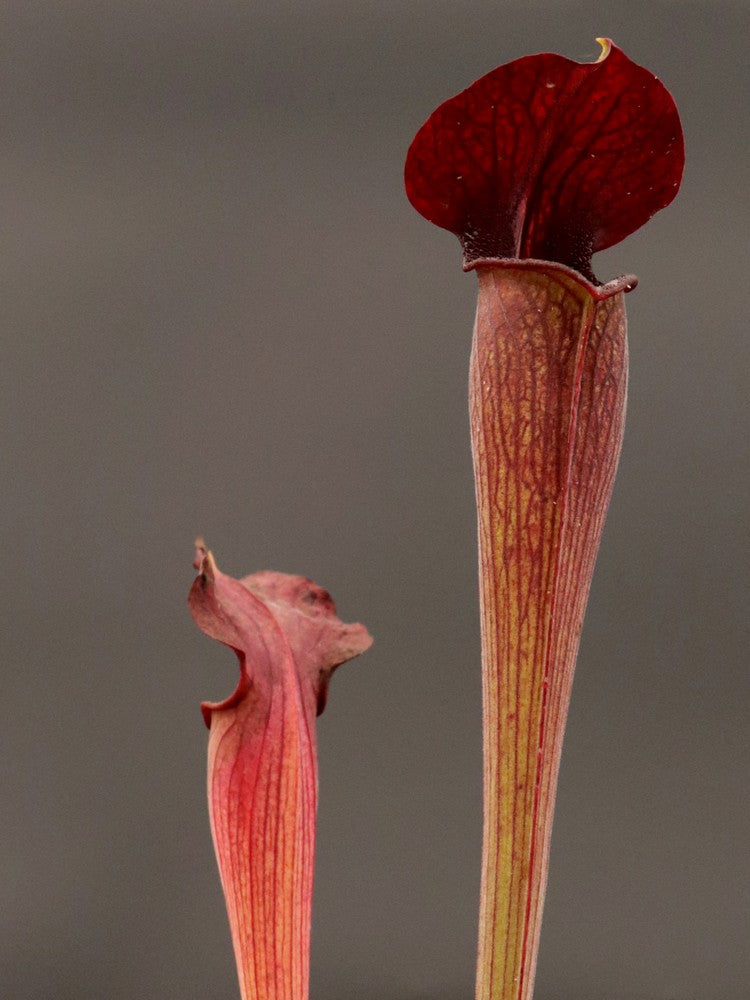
pixel 220 315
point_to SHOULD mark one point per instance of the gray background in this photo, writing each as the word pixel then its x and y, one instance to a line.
pixel 220 314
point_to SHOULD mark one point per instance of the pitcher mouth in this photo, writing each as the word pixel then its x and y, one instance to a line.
pixel 623 283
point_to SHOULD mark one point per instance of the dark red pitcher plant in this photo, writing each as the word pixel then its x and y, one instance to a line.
pixel 535 167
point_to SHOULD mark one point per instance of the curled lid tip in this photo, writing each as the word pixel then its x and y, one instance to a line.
pixel 606 44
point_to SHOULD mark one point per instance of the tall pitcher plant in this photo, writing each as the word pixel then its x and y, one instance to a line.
pixel 535 167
